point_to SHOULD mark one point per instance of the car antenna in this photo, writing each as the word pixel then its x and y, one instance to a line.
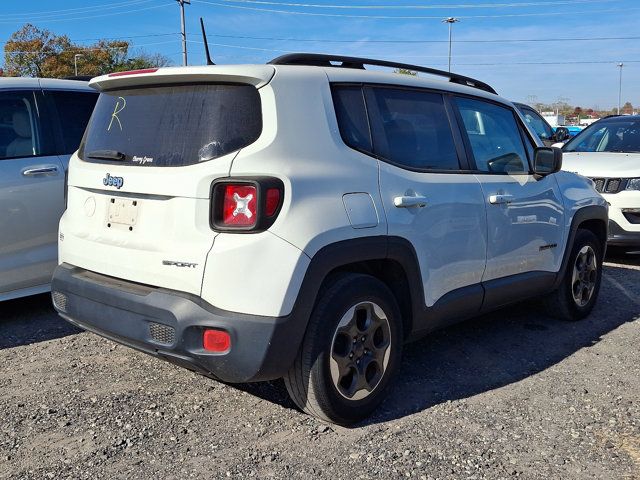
pixel 206 44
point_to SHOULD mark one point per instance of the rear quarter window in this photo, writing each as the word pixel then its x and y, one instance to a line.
pixel 73 110
pixel 172 125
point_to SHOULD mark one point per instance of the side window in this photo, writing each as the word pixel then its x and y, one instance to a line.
pixel 352 117
pixel 494 137
pixel 19 130
pixel 74 110
pixel 537 124
pixel 411 128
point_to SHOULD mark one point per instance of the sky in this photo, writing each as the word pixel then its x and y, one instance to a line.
pixel 571 51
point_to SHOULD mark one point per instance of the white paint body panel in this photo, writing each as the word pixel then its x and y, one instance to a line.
pixel 609 165
pixel 448 234
pixel 521 232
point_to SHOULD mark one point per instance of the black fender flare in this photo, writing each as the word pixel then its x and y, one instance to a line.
pixel 590 212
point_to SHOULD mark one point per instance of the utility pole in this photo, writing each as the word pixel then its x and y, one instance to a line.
pixel 183 30
pixel 620 65
pixel 450 21
pixel 75 62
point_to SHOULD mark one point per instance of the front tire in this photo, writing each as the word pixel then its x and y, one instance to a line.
pixel 577 294
pixel 350 353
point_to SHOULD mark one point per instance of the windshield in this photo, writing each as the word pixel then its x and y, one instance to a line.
pixel 172 125
pixel 618 134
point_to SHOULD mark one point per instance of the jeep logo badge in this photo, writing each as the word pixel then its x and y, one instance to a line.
pixel 110 181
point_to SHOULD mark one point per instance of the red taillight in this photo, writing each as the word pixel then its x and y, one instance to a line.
pixel 216 341
pixel 273 201
pixel 239 207
pixel 248 205
pixel 133 72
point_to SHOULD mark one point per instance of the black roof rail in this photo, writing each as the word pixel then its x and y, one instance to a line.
pixel 322 60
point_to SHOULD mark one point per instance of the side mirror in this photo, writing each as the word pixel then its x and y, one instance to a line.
pixel 561 134
pixel 547 160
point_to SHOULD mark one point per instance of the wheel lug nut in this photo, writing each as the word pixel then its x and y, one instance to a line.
pixel 358 361
pixel 363 338
pixel 351 355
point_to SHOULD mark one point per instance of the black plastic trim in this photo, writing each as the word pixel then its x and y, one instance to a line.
pixel 590 212
pixel 619 237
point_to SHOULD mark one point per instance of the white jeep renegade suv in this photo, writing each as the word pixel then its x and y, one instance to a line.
pixel 305 218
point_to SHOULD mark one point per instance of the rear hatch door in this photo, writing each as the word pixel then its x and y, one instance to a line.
pixel 139 186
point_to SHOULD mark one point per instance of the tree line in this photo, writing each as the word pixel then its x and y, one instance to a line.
pixel 34 52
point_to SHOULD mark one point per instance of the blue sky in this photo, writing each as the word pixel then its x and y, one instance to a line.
pixel 357 27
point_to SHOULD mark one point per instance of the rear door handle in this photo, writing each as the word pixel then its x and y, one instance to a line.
pixel 406 201
pixel 500 199
pixel 44 170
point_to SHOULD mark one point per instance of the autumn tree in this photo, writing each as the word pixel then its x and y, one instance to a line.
pixel 33 52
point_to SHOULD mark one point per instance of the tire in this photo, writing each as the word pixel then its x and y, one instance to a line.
pixel 352 305
pixel 575 297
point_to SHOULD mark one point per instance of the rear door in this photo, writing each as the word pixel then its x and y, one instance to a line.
pixel 31 193
pixel 139 189
pixel 427 197
pixel 524 213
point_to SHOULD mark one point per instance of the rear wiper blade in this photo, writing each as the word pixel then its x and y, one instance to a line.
pixel 106 155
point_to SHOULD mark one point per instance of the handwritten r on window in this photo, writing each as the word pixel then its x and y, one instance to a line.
pixel 116 110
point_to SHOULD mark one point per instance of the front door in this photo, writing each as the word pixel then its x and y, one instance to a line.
pixel 525 214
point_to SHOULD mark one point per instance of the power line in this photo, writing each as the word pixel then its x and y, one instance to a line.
pixel 47 20
pixel 406 17
pixel 74 11
pixel 514 40
pixel 421 7
pixel 577 62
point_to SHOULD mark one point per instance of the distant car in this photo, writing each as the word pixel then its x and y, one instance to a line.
pixel 538 124
pixel 573 130
pixel 41 124
pixel 608 152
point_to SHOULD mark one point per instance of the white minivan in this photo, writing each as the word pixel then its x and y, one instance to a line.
pixel 41 125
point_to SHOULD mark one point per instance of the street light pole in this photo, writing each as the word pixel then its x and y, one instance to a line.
pixel 450 21
pixel 183 30
pixel 620 65
pixel 75 62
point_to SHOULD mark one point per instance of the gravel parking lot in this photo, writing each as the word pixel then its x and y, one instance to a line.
pixel 511 394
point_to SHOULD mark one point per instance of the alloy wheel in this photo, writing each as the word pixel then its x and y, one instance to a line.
pixel 360 350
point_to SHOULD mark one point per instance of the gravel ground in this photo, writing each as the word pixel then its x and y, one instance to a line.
pixel 511 394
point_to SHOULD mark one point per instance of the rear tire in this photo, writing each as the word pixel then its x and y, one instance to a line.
pixel 577 294
pixel 350 353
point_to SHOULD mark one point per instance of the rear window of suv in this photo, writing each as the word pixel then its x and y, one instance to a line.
pixel 173 125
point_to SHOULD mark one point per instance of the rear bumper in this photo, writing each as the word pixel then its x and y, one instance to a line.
pixel 619 237
pixel 170 325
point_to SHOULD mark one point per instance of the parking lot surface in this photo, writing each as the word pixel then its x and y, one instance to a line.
pixel 510 394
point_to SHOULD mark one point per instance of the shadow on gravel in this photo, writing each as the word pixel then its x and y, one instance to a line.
pixel 31 320
pixel 494 350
